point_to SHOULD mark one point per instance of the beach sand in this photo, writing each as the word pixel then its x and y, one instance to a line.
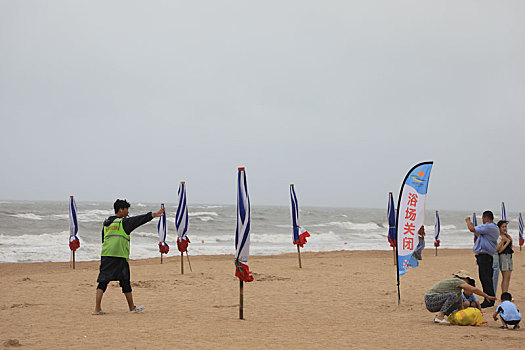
pixel 343 299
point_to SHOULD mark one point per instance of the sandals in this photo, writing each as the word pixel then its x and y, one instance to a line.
pixel 137 309
pixel 98 312
pixel 504 327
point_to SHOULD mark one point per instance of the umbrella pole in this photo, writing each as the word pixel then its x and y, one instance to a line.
pixel 187 256
pixel 73 259
pixel 299 256
pixel 241 300
pixel 394 251
pixel 181 263
pixel 161 258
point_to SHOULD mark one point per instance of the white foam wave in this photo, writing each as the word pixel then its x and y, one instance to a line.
pixel 353 226
pixel 29 216
pixel 202 213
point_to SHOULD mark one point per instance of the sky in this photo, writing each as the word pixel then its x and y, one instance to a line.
pixel 125 99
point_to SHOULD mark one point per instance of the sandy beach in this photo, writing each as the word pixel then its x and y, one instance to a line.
pixel 343 299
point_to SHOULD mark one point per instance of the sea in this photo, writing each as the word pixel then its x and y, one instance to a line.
pixel 39 231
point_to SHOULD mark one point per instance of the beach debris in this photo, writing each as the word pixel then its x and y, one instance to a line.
pixel 12 343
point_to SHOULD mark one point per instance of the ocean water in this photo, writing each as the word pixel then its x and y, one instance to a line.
pixel 39 231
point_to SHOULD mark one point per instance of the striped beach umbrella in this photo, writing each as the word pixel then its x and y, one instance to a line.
pixel 391 213
pixel 242 235
pixel 181 220
pixel 503 212
pixel 74 242
pixel 299 233
pixel 475 223
pixel 520 232
pixel 437 229
pixel 162 229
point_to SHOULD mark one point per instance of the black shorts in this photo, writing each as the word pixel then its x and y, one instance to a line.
pixel 512 323
pixel 113 269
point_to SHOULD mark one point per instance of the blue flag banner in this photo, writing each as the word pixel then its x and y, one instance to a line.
pixel 411 214
pixel 503 212
pixel 181 220
pixel 475 222
pixel 74 242
pixel 391 213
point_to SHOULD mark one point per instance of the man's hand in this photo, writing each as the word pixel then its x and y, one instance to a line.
pixel 495 316
pixel 159 213
pixel 467 220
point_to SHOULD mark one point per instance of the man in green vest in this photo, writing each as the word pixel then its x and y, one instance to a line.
pixel 114 258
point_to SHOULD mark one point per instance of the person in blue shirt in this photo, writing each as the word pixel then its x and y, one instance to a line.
pixel 484 248
pixel 470 300
pixel 508 312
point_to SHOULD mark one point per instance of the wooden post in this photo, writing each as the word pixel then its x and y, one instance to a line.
pixel 241 301
pixel 187 256
pixel 299 255
pixel 73 259
pixel 161 258
pixel 182 263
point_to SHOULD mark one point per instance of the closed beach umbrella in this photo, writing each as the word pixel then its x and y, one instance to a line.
pixel 181 219
pixel 437 229
pixel 475 223
pixel 181 223
pixel 242 237
pixel 299 234
pixel 162 229
pixel 391 214
pixel 74 242
pixel 520 221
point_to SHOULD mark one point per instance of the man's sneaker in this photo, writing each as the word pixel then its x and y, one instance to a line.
pixel 137 309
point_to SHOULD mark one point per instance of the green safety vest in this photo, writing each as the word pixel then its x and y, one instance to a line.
pixel 116 240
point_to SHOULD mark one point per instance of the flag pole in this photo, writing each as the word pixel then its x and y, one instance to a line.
pixel 187 256
pixel 161 258
pixel 241 300
pixel 181 263
pixel 299 255
pixel 73 259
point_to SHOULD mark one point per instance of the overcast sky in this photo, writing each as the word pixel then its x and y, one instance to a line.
pixel 107 99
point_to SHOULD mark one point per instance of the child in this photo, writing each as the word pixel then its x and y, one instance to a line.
pixel 470 300
pixel 509 313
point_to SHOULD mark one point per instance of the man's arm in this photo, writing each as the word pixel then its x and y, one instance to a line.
pixel 131 223
pixel 471 227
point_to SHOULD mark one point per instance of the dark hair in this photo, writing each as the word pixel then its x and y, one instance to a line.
pixel 501 222
pixel 120 204
pixel 488 214
pixel 471 282
pixel 506 296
